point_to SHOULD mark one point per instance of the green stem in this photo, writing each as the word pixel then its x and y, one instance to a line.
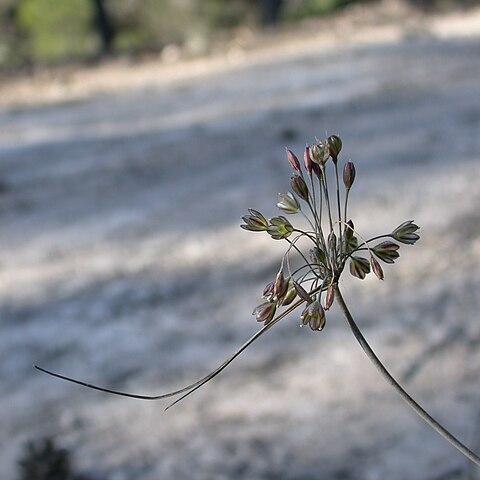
pixel 338 205
pixel 399 389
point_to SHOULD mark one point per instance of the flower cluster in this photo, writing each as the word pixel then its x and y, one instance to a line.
pixel 332 240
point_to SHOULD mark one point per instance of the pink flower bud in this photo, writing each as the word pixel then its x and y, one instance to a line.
pixel 293 160
pixel 348 174
pixel 307 159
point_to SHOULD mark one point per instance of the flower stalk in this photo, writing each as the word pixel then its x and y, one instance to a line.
pixel 313 264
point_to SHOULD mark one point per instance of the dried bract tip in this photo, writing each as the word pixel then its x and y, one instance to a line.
pixel 287 203
pixel 265 312
pixel 376 268
pixel 293 160
pixel 359 267
pixel 335 146
pixel 386 251
pixel 405 233
pixel 279 228
pixel 299 187
pixel 348 175
pixel 255 222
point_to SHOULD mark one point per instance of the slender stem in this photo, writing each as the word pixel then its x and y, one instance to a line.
pixel 346 205
pixel 338 205
pixel 327 198
pixel 388 377
pixel 292 244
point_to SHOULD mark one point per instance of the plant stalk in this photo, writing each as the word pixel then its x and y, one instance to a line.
pixel 388 377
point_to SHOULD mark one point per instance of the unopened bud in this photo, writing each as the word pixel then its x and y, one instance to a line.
pixel 265 312
pixel 348 175
pixel 319 152
pixel 307 159
pixel 299 187
pixel 293 160
pixel 329 297
pixel 281 285
pixel 335 146
pixel 291 293
pixel 317 316
pixel 376 268
pixel 268 290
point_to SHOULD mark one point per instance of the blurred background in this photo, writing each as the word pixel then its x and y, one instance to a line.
pixel 133 136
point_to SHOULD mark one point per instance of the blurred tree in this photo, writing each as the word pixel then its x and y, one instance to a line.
pixel 104 27
pixel 271 10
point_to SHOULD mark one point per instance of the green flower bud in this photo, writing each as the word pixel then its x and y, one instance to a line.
pixel 359 267
pixel 405 233
pixel 265 312
pixel 319 152
pixel 255 222
pixel 293 160
pixel 279 228
pixel 348 175
pixel 299 187
pixel 287 203
pixel 376 268
pixel 386 251
pixel 335 146
pixel 291 293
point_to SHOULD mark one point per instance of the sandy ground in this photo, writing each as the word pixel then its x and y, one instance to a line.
pixel 122 262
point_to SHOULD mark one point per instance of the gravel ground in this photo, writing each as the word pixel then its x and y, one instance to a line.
pixel 122 263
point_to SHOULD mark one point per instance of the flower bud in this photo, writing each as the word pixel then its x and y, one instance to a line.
pixel 255 222
pixel 335 146
pixel 316 314
pixel 386 251
pixel 348 175
pixel 317 170
pixel 376 268
pixel 291 293
pixel 293 160
pixel 359 267
pixel 329 297
pixel 307 160
pixel 299 187
pixel 280 286
pixel 268 290
pixel 405 233
pixel 319 152
pixel 265 312
pixel 287 203
pixel 279 228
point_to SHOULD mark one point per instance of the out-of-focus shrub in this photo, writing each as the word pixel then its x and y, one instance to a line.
pixel 56 29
